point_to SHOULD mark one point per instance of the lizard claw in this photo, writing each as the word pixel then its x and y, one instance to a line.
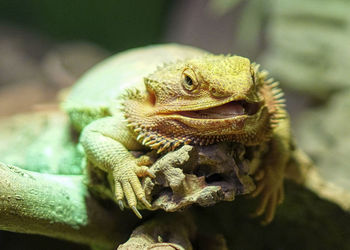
pixel 150 174
pixel 143 171
pixel 134 209
pixel 121 204
pixel 146 203
pixel 127 184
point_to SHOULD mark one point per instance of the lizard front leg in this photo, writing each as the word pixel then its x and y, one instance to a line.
pixel 270 175
pixel 106 143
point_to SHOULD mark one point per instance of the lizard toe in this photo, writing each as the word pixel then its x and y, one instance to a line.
pixel 143 171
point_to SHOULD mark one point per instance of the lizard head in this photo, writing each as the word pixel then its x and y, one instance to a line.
pixel 202 101
pixel 202 83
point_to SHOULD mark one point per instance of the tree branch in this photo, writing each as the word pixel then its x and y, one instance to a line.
pixel 58 206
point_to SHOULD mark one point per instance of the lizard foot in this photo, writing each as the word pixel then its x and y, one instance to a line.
pixel 127 184
pixel 145 160
pixel 269 188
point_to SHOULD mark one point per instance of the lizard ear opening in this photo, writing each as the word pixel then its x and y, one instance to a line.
pixel 152 98
pixel 151 95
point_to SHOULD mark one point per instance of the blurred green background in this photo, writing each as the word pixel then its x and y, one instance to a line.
pixel 46 45
pixel 114 25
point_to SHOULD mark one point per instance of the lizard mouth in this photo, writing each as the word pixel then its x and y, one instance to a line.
pixel 227 110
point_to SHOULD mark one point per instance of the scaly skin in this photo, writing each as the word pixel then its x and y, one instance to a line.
pixel 199 101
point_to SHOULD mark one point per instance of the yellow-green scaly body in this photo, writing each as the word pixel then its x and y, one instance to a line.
pixel 164 96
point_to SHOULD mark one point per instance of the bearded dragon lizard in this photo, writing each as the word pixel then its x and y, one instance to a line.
pixel 195 98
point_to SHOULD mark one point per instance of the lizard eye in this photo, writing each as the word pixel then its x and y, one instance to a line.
pixel 189 83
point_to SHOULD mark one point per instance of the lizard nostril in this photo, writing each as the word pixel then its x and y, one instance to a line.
pixel 220 93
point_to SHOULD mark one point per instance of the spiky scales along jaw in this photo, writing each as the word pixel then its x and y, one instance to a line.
pixel 203 101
